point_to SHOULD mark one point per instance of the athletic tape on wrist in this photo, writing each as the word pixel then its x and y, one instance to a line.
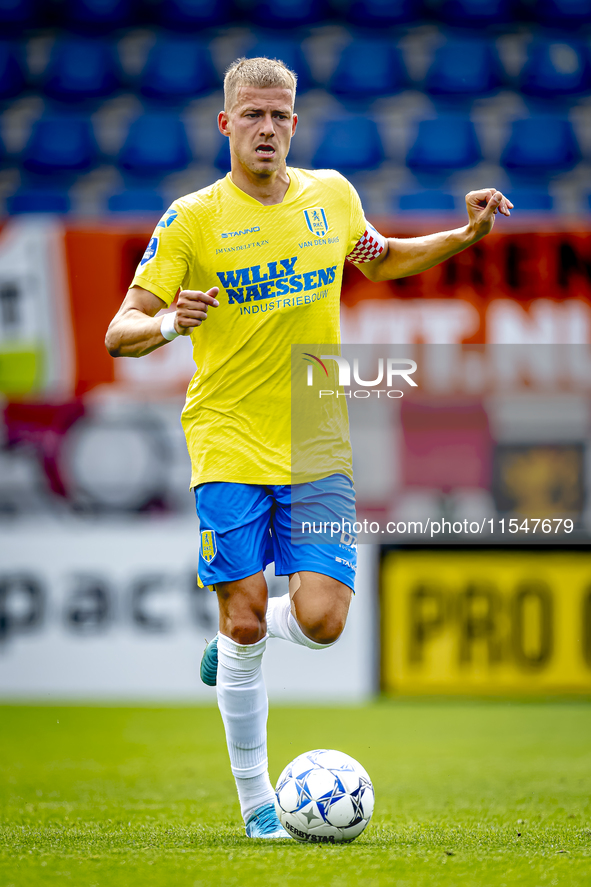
pixel 167 327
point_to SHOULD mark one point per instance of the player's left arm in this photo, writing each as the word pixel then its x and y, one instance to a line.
pixel 402 257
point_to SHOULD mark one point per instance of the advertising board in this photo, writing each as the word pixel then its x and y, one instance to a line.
pixel 486 621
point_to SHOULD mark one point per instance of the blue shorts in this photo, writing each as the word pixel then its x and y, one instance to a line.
pixel 244 527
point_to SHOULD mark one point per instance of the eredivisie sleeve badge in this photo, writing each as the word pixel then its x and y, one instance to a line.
pixel 316 221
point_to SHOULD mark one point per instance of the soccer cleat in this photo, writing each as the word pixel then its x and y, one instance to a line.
pixel 264 824
pixel 209 664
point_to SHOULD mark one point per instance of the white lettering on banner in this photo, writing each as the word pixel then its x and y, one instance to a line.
pixel 433 321
pixel 449 322
pixel 97 610
pixel 546 322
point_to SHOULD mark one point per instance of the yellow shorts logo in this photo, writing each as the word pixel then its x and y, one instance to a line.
pixel 208 545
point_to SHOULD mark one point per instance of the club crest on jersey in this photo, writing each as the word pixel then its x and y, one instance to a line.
pixel 316 221
pixel 209 547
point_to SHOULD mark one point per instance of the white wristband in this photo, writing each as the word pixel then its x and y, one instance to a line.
pixel 167 327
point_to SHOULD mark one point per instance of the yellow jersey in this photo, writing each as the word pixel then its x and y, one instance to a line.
pixel 279 270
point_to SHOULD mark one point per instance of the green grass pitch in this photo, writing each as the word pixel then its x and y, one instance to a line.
pixel 484 794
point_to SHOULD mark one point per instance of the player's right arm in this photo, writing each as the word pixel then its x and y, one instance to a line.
pixel 135 330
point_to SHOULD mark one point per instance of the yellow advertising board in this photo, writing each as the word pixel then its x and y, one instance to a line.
pixel 486 621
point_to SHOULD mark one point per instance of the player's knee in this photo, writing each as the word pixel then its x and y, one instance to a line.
pixel 326 629
pixel 247 629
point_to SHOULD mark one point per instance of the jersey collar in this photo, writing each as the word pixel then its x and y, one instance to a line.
pixel 238 194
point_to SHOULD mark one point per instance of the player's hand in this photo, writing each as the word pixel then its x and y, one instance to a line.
pixel 482 208
pixel 192 307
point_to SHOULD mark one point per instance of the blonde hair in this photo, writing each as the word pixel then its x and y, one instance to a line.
pixel 262 73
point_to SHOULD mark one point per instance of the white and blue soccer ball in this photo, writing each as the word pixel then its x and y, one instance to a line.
pixel 324 797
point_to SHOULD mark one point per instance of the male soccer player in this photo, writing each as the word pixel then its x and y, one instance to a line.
pixel 259 255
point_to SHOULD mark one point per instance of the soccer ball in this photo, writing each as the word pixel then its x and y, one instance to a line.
pixel 324 797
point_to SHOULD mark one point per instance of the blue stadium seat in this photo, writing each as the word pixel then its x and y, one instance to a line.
pixel 531 199
pixel 222 157
pixel 382 13
pixel 350 145
pixel 178 68
pixel 556 68
pixel 80 69
pixel 136 200
pixel 472 13
pixel 368 68
pixel 60 144
pixel 98 15
pixel 35 200
pixel 463 67
pixel 444 143
pixel 563 13
pixel 426 201
pixel 540 145
pixel 155 145
pixel 285 13
pixel 187 15
pixel 289 50
pixel 12 76
pixel 17 14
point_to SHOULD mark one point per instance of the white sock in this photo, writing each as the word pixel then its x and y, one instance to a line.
pixel 242 700
pixel 281 624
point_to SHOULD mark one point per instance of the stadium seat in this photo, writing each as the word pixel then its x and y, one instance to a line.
pixel 555 68
pixel 98 15
pixel 81 68
pixel 289 50
pixel 472 13
pixel 187 15
pixel 177 68
pixel 17 14
pixel 285 13
pixel 12 76
pixel 60 144
pixel 540 145
pixel 155 145
pixel 444 143
pixel 463 67
pixel 381 13
pixel 38 201
pixel 563 13
pixel 531 199
pixel 137 200
pixel 350 145
pixel 368 68
pixel 426 201
pixel 222 157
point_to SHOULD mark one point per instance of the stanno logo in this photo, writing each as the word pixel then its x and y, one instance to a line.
pixel 396 368
pixel 239 233
pixel 316 221
pixel 167 219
